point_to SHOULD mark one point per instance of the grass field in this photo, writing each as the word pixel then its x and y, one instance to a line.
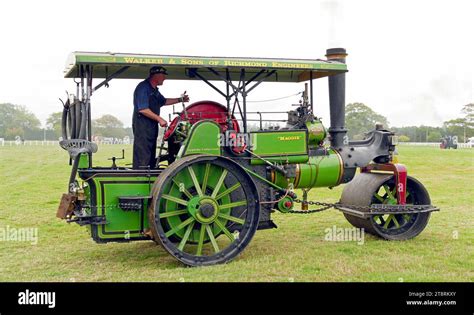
pixel 32 180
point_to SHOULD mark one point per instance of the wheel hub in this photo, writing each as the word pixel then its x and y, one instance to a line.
pixel 204 209
pixel 207 210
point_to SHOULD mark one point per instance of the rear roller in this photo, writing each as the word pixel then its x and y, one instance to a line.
pixel 205 210
pixel 369 188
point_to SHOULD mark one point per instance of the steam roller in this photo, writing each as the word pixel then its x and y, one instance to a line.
pixel 220 182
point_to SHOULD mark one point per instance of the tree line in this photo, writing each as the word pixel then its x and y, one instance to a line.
pixel 360 119
pixel 17 120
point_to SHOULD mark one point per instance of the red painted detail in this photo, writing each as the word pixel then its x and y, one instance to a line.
pixel 400 173
pixel 204 110
pixel 238 141
pixel 288 204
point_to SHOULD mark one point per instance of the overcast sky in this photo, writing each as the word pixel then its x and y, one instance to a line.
pixel 411 61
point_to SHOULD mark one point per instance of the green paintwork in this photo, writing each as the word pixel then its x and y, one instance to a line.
pixel 83 160
pixel 121 224
pixel 264 179
pixel 320 171
pixel 203 139
pixel 289 70
pixel 327 169
pixel 316 133
pixel 195 204
pixel 87 195
pixel 290 159
pixel 279 146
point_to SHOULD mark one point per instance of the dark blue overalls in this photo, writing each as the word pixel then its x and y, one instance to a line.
pixel 145 130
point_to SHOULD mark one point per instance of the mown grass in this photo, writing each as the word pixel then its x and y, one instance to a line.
pixel 32 180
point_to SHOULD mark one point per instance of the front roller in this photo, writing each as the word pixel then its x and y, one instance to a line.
pixel 369 188
pixel 205 210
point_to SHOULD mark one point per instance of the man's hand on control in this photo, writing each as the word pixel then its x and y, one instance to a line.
pixel 163 123
pixel 184 98
pixel 148 113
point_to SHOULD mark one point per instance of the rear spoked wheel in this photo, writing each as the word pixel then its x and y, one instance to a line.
pixel 205 210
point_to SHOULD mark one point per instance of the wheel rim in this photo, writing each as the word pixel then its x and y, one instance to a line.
pixel 206 212
pixel 392 224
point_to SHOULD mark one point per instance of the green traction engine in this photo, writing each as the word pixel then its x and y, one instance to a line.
pixel 216 182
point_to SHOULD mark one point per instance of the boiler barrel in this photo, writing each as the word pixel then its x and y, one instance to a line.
pixel 319 171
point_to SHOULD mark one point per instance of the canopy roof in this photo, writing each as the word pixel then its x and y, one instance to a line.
pixel 178 67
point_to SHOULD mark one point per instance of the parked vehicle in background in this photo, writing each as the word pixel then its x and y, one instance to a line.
pixel 449 142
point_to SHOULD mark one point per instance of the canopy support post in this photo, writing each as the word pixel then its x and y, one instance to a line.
pixel 88 108
pixel 109 78
pixel 255 76
pixel 208 83
pixel 257 83
pixel 236 102
pixel 82 83
pixel 311 90
pixel 227 88
pixel 244 99
pixel 261 80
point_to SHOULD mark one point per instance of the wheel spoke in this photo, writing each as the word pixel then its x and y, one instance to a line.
pixel 225 230
pixel 396 221
pixel 379 198
pixel 172 213
pixel 219 184
pixel 407 217
pixel 377 217
pixel 179 227
pixel 387 190
pixel 394 191
pixel 231 218
pixel 182 189
pixel 175 199
pixel 206 176
pixel 233 204
pixel 382 220
pixel 212 238
pixel 201 240
pixel 186 236
pixel 228 191
pixel 195 181
pixel 389 219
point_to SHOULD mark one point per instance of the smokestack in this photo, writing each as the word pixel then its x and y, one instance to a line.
pixel 337 99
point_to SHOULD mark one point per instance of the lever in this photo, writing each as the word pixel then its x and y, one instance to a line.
pixel 116 158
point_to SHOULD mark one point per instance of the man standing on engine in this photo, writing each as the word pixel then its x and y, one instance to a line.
pixel 147 101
